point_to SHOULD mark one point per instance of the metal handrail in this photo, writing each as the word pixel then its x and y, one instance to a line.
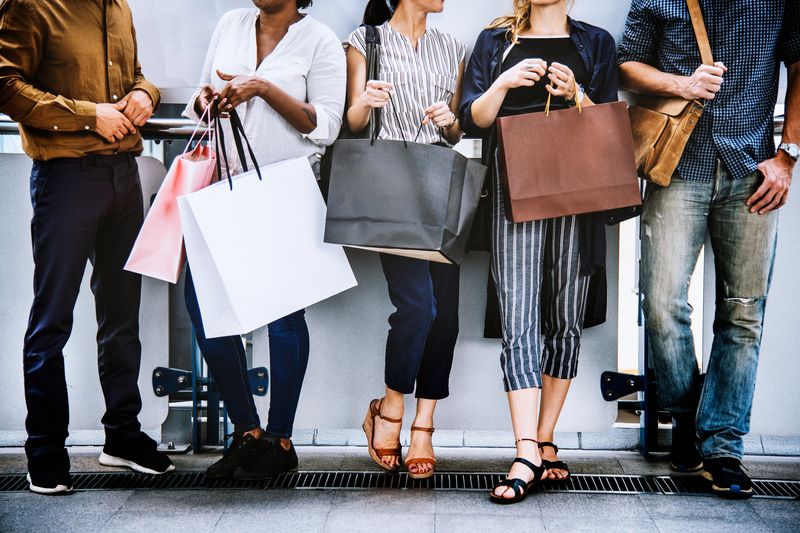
pixel 158 129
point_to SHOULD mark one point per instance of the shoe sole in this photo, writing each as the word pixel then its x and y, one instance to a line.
pixel 261 477
pixel 59 489
pixel 684 470
pixel 110 460
pixel 727 493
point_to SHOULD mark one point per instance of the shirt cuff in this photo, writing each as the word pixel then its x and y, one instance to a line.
pixel 151 90
pixel 321 134
pixel 85 116
pixel 189 112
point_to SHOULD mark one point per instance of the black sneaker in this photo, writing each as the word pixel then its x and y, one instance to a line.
pixel 273 460
pixel 684 456
pixel 49 474
pixel 140 454
pixel 728 478
pixel 242 449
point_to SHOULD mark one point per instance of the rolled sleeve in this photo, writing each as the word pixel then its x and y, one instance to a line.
pixel 477 80
pixel 639 40
pixel 327 86
pixel 790 36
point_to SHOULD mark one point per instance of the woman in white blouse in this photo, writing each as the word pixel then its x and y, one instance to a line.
pixel 284 73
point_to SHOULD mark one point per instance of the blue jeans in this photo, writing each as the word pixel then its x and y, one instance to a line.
pixel 227 361
pixel 675 222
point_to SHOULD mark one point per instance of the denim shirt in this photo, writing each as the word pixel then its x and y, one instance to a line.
pixel 599 53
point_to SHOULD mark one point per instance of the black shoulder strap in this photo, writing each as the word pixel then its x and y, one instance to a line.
pixel 373 40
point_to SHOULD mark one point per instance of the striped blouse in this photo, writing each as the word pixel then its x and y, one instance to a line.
pixel 420 77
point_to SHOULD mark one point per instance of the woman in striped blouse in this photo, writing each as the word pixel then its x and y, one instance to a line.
pixel 419 89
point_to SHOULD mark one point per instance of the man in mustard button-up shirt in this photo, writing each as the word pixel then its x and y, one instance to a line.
pixel 70 77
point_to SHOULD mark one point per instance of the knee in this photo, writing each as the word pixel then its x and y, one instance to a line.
pixel 741 317
pixel 663 311
pixel 418 308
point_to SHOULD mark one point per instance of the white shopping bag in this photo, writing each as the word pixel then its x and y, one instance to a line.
pixel 256 251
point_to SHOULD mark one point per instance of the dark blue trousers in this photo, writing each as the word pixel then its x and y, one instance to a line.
pixel 227 361
pixel 83 209
pixel 424 328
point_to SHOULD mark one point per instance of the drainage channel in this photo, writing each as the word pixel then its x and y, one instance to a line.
pixel 578 483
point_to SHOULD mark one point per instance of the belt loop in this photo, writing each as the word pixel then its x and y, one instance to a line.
pixel 84 162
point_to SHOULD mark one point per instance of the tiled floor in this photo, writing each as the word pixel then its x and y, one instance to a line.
pixel 380 511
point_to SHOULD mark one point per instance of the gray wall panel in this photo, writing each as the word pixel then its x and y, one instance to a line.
pixel 16 271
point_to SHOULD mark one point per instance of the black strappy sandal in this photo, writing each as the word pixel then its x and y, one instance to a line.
pixel 520 487
pixel 554 465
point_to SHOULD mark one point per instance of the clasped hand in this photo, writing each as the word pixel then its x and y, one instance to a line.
pixel 528 72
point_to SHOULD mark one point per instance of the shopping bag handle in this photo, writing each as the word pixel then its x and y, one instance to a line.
pixel 237 130
pixel 547 106
pixel 204 118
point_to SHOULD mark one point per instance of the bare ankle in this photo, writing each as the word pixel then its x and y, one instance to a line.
pixel 256 433
pixel 286 444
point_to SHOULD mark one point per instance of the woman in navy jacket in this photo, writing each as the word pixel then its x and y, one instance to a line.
pixel 550 275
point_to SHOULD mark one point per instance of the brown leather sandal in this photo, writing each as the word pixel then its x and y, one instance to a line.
pixel 369 430
pixel 421 460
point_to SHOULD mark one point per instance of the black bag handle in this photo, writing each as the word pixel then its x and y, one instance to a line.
pixel 238 133
pixel 373 40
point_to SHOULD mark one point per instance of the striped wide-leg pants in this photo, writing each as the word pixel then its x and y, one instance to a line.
pixel 536 269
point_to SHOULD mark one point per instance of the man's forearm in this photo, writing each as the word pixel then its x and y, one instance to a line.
pixel 641 78
pixel 791 123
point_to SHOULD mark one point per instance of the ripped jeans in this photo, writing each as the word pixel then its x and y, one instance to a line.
pixel 675 223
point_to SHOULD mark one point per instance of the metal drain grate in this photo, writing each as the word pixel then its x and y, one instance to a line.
pixel 581 483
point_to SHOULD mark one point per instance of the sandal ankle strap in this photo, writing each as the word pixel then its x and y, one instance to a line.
pixel 377 411
pixel 548 445
pixel 419 428
pixel 527 440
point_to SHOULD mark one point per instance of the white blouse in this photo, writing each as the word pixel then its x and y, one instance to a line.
pixel 308 63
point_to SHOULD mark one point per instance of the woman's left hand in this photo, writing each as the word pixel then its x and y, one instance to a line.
pixel 238 90
pixel 440 114
pixel 563 81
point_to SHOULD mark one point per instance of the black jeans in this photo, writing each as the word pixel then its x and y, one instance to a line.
pixel 84 208
pixel 424 329
pixel 227 360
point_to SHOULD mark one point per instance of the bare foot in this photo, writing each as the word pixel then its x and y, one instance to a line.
pixel 386 435
pixel 421 447
pixel 527 450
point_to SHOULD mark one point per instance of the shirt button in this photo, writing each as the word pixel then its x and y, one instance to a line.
pixel 86 128
pixel 114 97
pixel 110 63
pixel 55 127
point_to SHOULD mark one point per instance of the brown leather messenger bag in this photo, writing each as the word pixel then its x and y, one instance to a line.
pixel 662 126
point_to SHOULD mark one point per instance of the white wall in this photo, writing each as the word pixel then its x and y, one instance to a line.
pixel 173 35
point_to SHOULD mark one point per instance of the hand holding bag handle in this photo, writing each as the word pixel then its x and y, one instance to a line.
pixel 238 133
pixel 662 126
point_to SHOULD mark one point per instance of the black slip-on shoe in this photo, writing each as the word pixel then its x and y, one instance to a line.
pixel 139 454
pixel 728 478
pixel 243 449
pixel 271 461
pixel 684 456
pixel 49 474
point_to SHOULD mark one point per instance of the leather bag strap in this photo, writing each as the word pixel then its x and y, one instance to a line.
pixel 700 33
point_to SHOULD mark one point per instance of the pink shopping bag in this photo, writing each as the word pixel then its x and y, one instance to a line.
pixel 158 251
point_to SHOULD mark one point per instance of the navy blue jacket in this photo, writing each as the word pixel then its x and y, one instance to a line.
pixel 599 53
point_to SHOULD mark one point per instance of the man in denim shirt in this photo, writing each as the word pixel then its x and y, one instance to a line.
pixel 730 184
